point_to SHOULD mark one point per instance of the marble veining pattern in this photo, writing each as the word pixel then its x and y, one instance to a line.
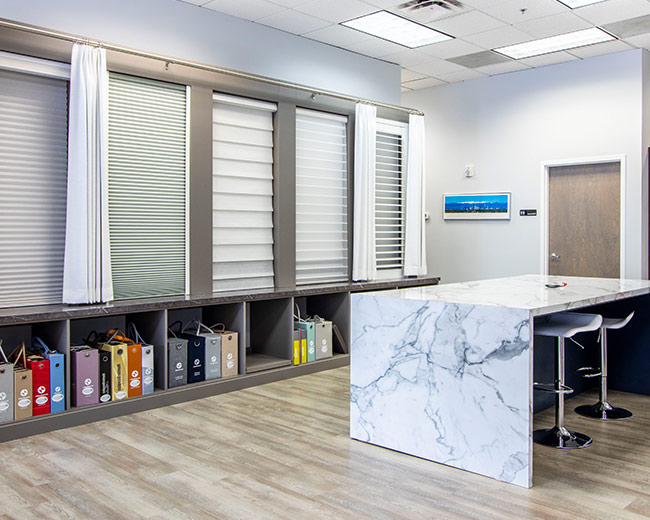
pixel 447 382
pixel 529 292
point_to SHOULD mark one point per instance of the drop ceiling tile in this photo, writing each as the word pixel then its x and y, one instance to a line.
pixel 510 11
pixel 483 5
pixel 436 67
pixel 548 59
pixel 249 10
pixel 553 25
pixel 479 59
pixel 337 35
pixel 642 40
pixel 404 89
pixel 423 83
pixel 631 27
pixel 406 57
pixel 289 3
pixel 384 4
pixel 411 75
pixel 450 49
pixel 502 68
pixel 500 37
pixel 468 23
pixel 462 75
pixel 375 47
pixel 294 22
pixel 194 2
pixel 600 48
pixel 613 11
pixel 334 10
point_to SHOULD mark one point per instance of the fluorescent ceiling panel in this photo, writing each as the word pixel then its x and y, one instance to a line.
pixel 396 29
pixel 574 4
pixel 561 42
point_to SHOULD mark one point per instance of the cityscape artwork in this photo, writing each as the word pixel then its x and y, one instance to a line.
pixel 476 206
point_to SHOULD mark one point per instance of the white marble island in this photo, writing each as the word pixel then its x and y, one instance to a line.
pixel 445 372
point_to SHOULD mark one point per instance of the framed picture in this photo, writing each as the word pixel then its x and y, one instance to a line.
pixel 476 206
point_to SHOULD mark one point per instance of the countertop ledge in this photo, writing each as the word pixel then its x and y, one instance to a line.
pixel 18 315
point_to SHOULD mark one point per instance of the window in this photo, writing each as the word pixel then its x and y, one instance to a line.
pixel 321 197
pixel 33 179
pixel 147 170
pixel 389 196
pixel 242 198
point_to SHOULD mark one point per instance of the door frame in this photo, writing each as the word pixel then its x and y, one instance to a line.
pixel 544 221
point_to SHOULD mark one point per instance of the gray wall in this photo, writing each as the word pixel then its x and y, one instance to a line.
pixel 507 126
pixel 186 31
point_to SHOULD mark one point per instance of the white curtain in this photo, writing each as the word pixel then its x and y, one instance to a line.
pixel 415 260
pixel 364 261
pixel 87 267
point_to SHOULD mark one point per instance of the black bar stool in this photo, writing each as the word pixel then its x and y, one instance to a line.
pixel 602 409
pixel 562 325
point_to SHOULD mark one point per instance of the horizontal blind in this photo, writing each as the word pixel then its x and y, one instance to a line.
pixel 389 197
pixel 33 191
pixel 242 194
pixel 147 161
pixel 321 197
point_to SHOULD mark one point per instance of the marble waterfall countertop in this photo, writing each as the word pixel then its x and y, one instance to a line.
pixel 528 292
pixel 445 372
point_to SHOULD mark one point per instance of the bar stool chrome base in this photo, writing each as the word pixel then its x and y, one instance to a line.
pixel 603 411
pixel 560 437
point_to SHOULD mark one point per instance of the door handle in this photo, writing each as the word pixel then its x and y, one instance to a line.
pixel 554 256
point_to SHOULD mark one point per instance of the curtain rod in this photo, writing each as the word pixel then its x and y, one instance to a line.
pixel 210 68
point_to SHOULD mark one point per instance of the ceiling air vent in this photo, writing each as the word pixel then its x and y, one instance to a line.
pixel 420 4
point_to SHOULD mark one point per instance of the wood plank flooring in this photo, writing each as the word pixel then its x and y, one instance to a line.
pixel 282 451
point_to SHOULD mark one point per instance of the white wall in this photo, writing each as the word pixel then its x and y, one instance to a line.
pixel 186 31
pixel 506 126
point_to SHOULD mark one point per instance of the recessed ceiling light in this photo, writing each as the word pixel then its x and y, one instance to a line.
pixel 396 29
pixel 574 4
pixel 561 42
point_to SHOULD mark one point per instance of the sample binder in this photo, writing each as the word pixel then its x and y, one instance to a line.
pixel 323 338
pixel 84 371
pixel 134 363
pixel 296 346
pixel 303 345
pixel 23 403
pixel 146 360
pixel 57 374
pixel 40 368
pixel 196 358
pixel 229 350
pixel 119 367
pixel 176 359
pixel 309 329
pixel 105 376
pixel 6 388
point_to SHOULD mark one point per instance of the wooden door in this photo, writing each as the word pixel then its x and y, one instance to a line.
pixel 584 220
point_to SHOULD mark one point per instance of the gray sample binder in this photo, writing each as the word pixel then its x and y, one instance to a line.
pixel 6 388
pixel 177 362
pixel 212 356
pixel 323 333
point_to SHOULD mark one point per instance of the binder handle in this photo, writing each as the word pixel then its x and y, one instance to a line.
pixel 118 335
pixel 133 331
pixel 18 353
pixel 171 327
pixel 2 351
pixel 92 339
pixel 39 344
pixel 199 326
pixel 218 327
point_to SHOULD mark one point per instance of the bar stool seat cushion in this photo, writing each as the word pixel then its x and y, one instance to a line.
pixel 616 323
pixel 567 324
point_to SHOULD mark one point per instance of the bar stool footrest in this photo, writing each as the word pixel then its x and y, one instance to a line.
pixel 589 372
pixel 551 388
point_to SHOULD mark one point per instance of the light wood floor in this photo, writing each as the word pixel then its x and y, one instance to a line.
pixel 281 451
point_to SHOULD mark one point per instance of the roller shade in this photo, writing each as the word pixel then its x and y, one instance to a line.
pixel 321 197
pixel 33 171
pixel 242 198
pixel 389 194
pixel 147 169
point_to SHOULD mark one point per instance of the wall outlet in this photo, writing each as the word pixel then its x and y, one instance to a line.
pixel 469 170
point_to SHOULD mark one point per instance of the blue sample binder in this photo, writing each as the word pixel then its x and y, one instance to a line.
pixel 57 374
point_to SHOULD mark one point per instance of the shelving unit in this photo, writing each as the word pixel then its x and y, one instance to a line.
pixel 262 319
